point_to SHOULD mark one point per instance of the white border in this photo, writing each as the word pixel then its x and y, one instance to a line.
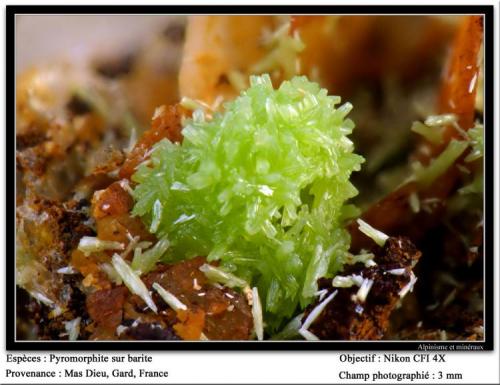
pixel 267 342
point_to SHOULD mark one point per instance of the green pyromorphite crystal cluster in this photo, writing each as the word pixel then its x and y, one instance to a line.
pixel 261 188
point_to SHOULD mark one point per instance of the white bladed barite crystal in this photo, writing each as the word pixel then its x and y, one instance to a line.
pixel 313 315
pixel 133 281
pixel 170 299
pixel 89 245
pixel 378 236
pixel 364 290
pixel 258 321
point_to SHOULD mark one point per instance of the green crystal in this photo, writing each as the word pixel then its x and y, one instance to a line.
pixel 261 188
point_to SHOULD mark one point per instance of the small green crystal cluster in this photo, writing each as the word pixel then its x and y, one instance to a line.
pixel 261 188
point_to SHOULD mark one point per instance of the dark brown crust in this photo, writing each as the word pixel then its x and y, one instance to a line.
pixel 167 123
pixel 348 319
pixel 51 230
pixel 225 313
pixel 150 331
pixel 105 307
pixel 113 201
pixel 34 320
